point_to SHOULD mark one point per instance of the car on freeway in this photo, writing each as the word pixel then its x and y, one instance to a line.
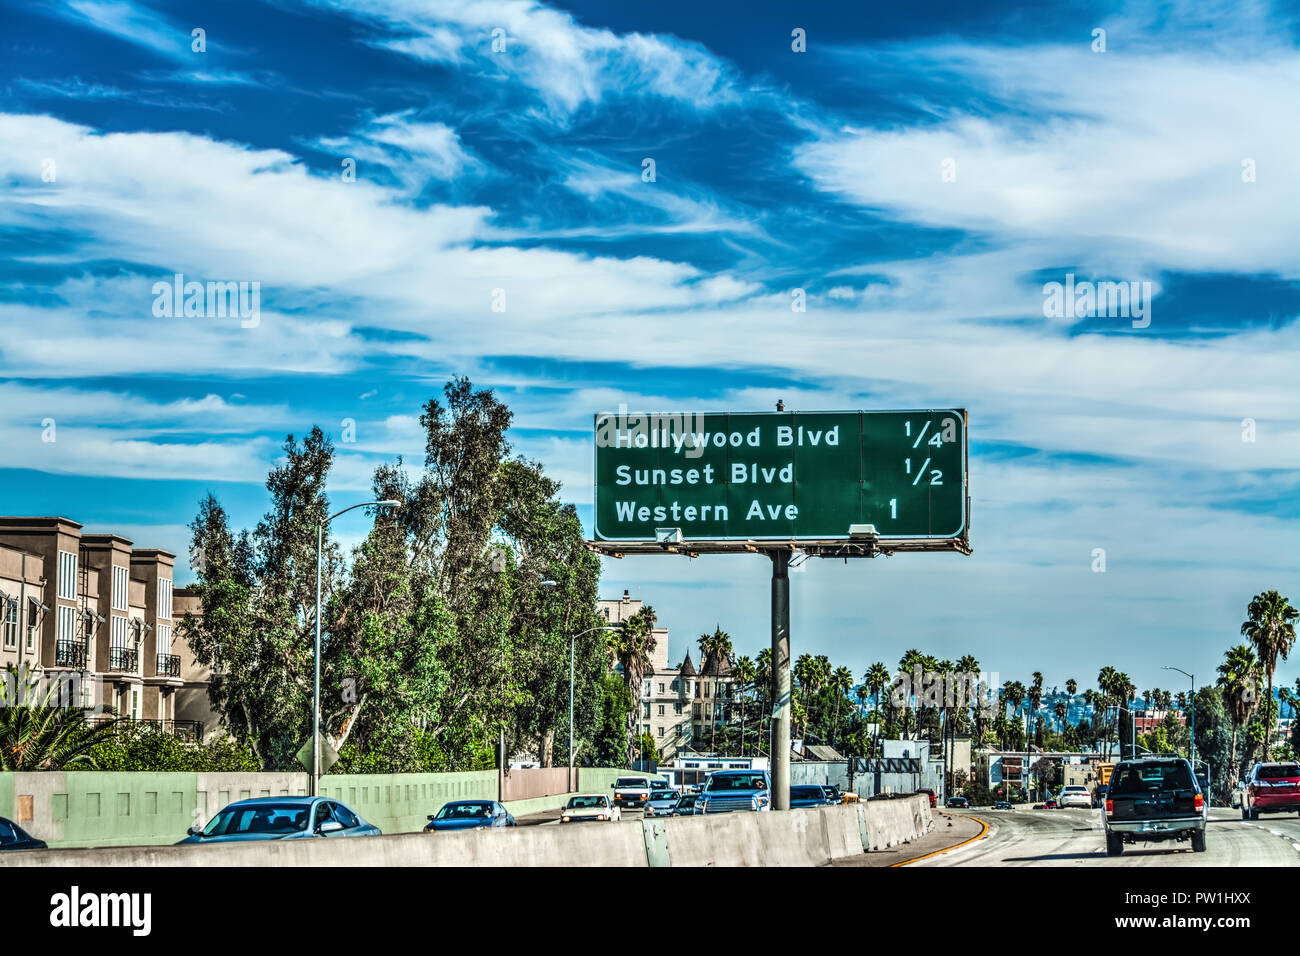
pixel 470 815
pixel 848 796
pixel 960 803
pixel 631 791
pixel 1002 805
pixel 1269 788
pixel 586 807
pixel 281 818
pixel 934 801
pixel 804 796
pixel 662 799
pixel 729 790
pixel 14 837
pixel 1154 800
pixel 833 795
pixel 1075 796
pixel 687 805
pixel 1099 796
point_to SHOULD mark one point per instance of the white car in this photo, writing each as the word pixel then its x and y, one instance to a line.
pixel 1075 797
pixel 589 806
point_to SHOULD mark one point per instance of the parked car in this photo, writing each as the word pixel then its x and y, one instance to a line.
pixel 470 815
pixel 589 806
pixel 14 837
pixel 631 791
pixel 802 797
pixel 1269 788
pixel 934 801
pixel 1075 796
pixel 729 790
pixel 1154 800
pixel 688 805
pixel 662 799
pixel 958 802
pixel 281 818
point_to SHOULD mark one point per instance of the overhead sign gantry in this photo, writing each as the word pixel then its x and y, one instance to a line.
pixel 826 484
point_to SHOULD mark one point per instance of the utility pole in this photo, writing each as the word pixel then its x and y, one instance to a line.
pixel 781 679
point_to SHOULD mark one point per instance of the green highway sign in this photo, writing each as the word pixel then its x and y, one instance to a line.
pixel 785 475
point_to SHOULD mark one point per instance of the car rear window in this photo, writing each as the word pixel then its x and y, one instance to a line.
pixel 1144 777
pixel 1279 771
pixel 736 781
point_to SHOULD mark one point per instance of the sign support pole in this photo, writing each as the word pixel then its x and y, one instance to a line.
pixel 781 679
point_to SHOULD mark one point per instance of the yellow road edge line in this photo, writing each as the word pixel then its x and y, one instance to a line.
pixel 956 846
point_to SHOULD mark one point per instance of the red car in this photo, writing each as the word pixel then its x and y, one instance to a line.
pixel 929 793
pixel 1270 788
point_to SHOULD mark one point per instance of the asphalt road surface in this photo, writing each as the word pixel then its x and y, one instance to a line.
pixel 1074 837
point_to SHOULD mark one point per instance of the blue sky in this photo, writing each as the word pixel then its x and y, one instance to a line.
pixel 1169 158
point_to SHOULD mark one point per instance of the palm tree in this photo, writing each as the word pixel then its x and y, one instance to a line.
pixel 876 679
pixel 1071 686
pixel 632 644
pixel 841 682
pixel 1061 711
pixel 744 672
pixel 38 733
pixel 908 663
pixel 1239 681
pixel 1270 626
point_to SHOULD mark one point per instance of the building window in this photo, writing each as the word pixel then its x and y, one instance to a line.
pixel 135 704
pixel 677 708
pixel 67 623
pixel 661 687
pixel 645 707
pixel 120 636
pixel 661 732
pixel 121 588
pixel 706 694
pixel 661 713
pixel 11 624
pixel 67 575
pixel 165 598
pixel 164 638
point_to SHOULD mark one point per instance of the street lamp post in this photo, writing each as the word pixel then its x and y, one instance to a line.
pixel 573 640
pixel 1191 707
pixel 315 696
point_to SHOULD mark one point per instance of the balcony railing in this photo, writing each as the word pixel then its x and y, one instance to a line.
pixel 169 665
pixel 70 654
pixel 185 729
pixel 121 658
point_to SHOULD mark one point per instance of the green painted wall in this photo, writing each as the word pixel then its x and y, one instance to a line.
pixel 85 808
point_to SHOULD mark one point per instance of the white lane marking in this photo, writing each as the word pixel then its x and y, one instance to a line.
pixel 1295 846
pixel 1275 832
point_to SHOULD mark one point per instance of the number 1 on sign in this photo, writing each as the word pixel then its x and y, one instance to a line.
pixel 893 507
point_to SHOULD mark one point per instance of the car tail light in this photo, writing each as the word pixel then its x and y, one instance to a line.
pixel 601 816
pixel 1200 801
pixel 1110 808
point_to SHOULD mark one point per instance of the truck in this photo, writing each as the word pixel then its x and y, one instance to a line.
pixel 1104 770
pixel 631 791
pixel 1154 800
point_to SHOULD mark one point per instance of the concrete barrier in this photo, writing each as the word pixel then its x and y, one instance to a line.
pixel 795 838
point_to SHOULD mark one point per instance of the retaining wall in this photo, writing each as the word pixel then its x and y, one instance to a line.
pixel 793 838
pixel 87 808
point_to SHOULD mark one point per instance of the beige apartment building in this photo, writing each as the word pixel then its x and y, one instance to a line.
pixel 98 617
pixel 678 705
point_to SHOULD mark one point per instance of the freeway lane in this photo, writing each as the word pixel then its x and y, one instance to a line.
pixel 1074 838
